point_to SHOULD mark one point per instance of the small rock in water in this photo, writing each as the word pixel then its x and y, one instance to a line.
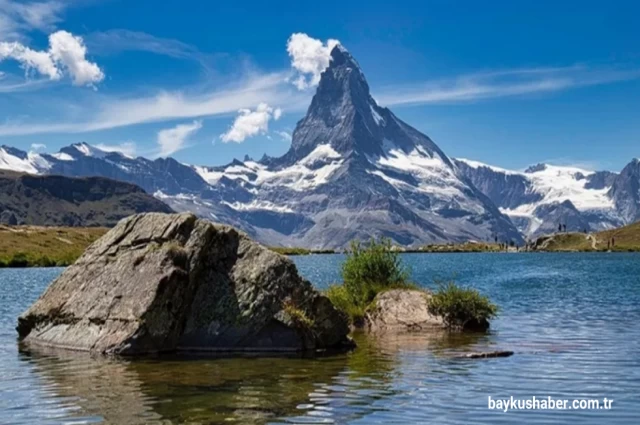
pixel 407 310
pixel 486 354
pixel 401 310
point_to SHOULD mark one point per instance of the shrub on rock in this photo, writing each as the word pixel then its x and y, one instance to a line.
pixel 369 269
pixel 462 308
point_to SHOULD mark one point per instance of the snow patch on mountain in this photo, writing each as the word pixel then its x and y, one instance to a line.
pixel 209 175
pixel 31 162
pixel 311 171
pixel 477 164
pixel 88 150
pixel 63 156
pixel 431 172
pixel 559 184
pixel 256 205
pixel 376 116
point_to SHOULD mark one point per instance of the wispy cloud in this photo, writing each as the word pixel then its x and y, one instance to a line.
pixel 167 106
pixel 125 148
pixel 121 40
pixel 18 17
pixel 38 147
pixel 13 84
pixel 172 140
pixel 504 83
pixel 284 135
pixel 250 123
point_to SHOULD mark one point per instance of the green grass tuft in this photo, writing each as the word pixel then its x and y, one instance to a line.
pixel 368 270
pixel 298 316
pixel 462 308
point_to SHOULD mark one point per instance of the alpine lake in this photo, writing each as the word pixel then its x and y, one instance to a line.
pixel 570 319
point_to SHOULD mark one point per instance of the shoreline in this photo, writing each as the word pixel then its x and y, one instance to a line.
pixel 619 251
pixel 40 246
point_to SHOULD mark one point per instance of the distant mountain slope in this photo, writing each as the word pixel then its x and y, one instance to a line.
pixel 544 196
pixel 625 192
pixel 50 200
pixel 626 238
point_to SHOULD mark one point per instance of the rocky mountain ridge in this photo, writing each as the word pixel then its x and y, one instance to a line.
pixel 52 200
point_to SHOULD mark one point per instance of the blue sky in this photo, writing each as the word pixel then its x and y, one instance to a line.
pixel 507 83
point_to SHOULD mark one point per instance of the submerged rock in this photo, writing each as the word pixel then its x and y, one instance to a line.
pixel 486 354
pixel 407 310
pixel 171 282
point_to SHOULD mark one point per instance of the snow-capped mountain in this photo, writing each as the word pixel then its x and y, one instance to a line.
pixel 354 170
pixel 81 159
pixel 544 195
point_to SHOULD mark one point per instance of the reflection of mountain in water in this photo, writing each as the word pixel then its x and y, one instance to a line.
pixel 217 391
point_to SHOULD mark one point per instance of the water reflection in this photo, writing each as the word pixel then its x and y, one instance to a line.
pixel 252 390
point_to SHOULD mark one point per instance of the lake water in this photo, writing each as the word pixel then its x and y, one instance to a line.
pixel 571 319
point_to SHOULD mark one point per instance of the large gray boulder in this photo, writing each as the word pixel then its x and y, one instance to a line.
pixel 172 283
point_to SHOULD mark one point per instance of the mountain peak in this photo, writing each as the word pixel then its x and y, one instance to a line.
pixel 343 81
pixel 341 56
pixel 82 149
pixel 342 111
pixel 343 114
pixel 536 168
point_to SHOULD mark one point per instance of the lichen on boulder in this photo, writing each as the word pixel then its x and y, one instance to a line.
pixel 173 283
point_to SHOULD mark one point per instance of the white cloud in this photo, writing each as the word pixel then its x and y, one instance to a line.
pixel 125 148
pixel 309 57
pixel 285 135
pixel 38 147
pixel 250 123
pixel 42 62
pixel 172 140
pixel 67 53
